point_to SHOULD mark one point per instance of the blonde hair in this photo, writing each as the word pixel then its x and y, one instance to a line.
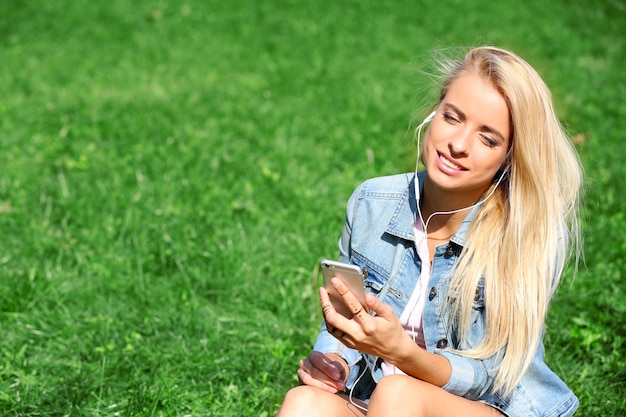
pixel 534 210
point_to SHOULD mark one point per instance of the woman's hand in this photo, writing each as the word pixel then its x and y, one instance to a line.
pixel 325 371
pixel 381 335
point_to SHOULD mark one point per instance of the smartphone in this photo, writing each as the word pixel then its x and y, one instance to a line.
pixel 352 276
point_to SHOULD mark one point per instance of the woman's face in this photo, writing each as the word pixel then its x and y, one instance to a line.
pixel 468 139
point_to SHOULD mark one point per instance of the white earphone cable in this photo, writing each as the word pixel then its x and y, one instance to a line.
pixel 425 225
pixel 417 192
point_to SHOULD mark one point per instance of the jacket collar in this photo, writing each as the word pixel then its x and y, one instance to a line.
pixel 403 219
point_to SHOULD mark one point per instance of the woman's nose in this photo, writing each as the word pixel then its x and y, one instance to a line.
pixel 459 143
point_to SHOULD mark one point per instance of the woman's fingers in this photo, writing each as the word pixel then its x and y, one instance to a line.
pixel 338 325
pixel 377 306
pixel 349 299
pixel 330 314
pixel 321 371
pixel 327 365
pixel 306 379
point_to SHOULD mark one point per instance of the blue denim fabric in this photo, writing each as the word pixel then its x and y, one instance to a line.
pixel 378 235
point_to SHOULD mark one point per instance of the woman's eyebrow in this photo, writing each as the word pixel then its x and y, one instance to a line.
pixel 455 109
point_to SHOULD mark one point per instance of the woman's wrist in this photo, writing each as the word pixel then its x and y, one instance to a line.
pixel 420 363
pixel 405 352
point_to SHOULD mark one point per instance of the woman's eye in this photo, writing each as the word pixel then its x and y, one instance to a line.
pixel 489 141
pixel 450 118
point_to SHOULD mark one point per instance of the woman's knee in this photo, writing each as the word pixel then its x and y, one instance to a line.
pixel 392 392
pixel 302 394
pixel 301 400
pixel 392 385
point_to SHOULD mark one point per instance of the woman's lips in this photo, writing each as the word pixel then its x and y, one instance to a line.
pixel 448 165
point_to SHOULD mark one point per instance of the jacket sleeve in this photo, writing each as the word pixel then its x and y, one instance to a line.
pixel 470 378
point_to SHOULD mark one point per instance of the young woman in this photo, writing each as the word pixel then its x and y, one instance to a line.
pixel 462 260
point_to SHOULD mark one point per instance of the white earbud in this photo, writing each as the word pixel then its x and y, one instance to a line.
pixel 428 119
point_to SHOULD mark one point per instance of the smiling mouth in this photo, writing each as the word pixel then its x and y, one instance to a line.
pixel 448 163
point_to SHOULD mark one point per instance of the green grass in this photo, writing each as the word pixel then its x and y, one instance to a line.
pixel 172 173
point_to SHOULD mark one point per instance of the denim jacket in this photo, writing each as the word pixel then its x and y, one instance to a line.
pixel 378 236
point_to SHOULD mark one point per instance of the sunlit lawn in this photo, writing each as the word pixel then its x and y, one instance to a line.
pixel 173 172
